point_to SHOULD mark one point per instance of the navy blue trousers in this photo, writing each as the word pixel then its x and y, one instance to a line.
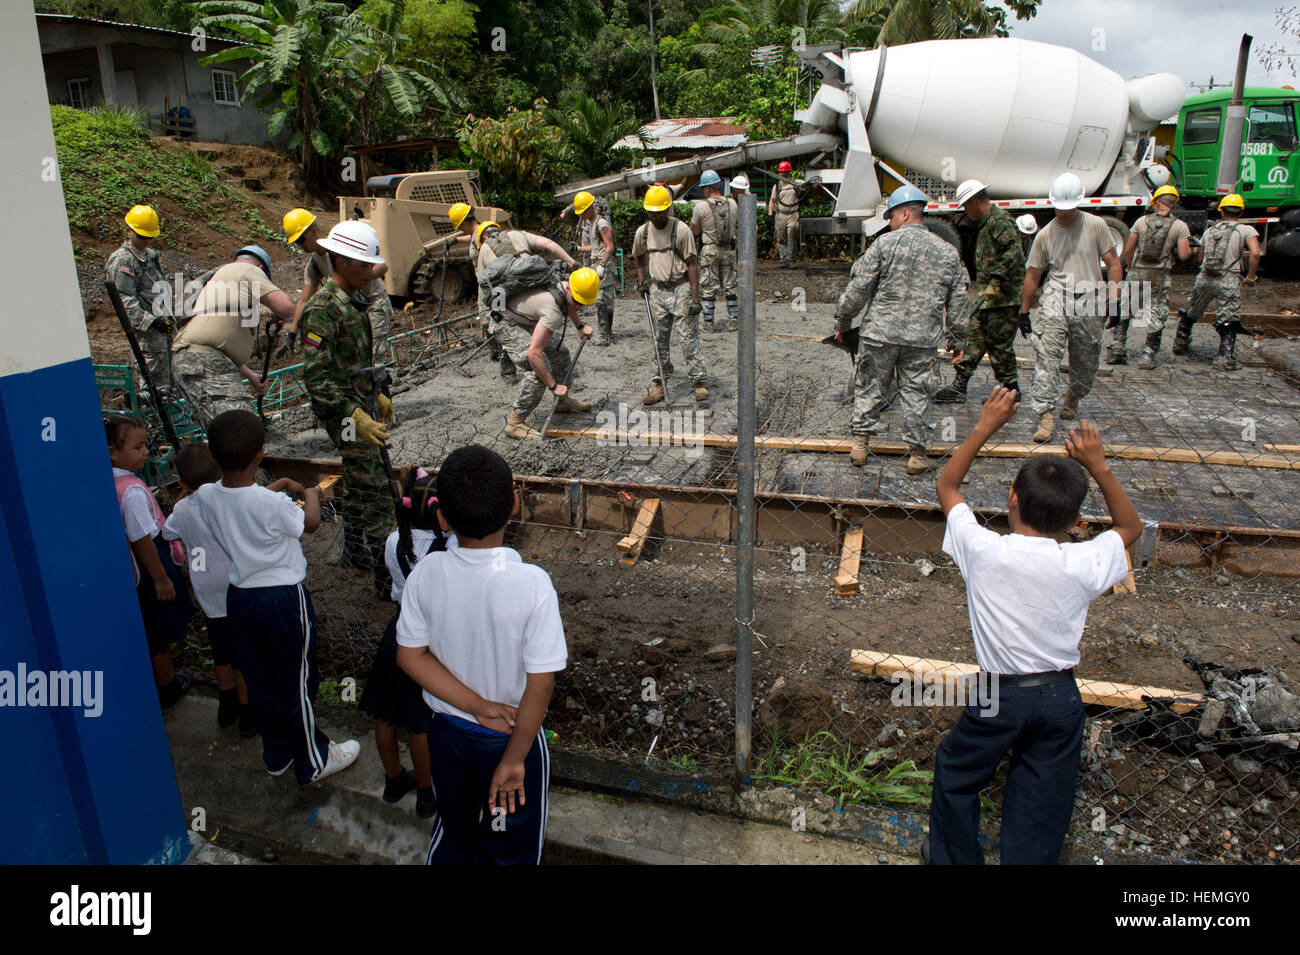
pixel 273 634
pixel 463 757
pixel 1042 726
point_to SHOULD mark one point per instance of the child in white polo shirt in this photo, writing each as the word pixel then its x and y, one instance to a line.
pixel 1028 598
pixel 272 623
pixel 478 624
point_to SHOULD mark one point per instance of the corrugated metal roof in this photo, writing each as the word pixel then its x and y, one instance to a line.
pixel 696 132
pixel 68 18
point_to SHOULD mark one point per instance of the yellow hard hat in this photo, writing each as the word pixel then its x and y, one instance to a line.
pixel 458 213
pixel 296 222
pixel 657 199
pixel 582 202
pixel 585 285
pixel 143 220
pixel 478 233
pixel 1165 191
pixel 1232 201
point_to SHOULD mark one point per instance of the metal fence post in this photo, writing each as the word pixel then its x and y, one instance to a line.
pixel 745 398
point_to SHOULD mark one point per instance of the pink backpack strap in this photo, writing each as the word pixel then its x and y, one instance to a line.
pixel 124 481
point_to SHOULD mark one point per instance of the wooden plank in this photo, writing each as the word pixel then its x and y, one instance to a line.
pixel 327 486
pixel 1096 692
pixel 846 581
pixel 634 542
pixel 771 442
pixel 1127 586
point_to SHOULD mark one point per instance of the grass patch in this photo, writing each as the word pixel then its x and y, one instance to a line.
pixel 109 162
pixel 826 763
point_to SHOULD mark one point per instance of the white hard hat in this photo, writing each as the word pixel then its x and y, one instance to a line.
pixel 1027 224
pixel 968 190
pixel 354 240
pixel 1066 192
pixel 740 182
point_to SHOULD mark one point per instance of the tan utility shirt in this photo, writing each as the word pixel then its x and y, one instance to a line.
pixel 667 250
pixel 717 218
pixel 227 310
pixel 1072 252
pixel 539 306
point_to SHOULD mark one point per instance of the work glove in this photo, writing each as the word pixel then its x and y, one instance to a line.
pixel 385 409
pixel 643 287
pixel 991 291
pixel 1113 309
pixel 696 308
pixel 1250 279
pixel 1022 323
pixel 368 428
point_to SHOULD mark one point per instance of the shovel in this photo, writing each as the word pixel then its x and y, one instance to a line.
pixel 567 377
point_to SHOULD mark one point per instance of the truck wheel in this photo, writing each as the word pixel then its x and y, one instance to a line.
pixel 1119 230
pixel 944 230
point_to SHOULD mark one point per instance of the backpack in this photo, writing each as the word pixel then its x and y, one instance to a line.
pixel 1215 244
pixel 1152 250
pixel 720 208
pixel 513 273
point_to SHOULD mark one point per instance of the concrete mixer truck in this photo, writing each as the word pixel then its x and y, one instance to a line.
pixel 1013 113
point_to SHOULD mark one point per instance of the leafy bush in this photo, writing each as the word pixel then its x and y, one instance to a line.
pixel 521 147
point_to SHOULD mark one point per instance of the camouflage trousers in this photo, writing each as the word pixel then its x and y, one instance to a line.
pixel 1223 290
pixel 380 314
pixel 210 382
pixel 608 273
pixel 364 498
pixel 1057 327
pixel 717 271
pixel 873 389
pixel 786 228
pixel 515 340
pixel 1147 292
pixel 670 307
pixel 992 330
pixel 156 345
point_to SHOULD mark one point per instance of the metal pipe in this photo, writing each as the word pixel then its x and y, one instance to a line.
pixel 747 259
pixel 1234 125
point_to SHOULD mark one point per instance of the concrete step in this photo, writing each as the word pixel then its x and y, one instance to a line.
pixel 251 816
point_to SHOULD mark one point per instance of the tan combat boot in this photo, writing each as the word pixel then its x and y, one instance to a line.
pixel 918 463
pixel 701 392
pixel 656 395
pixel 517 427
pixel 1070 406
pixel 1046 427
pixel 569 404
pixel 858 453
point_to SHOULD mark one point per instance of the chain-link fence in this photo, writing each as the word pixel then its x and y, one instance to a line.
pixel 859 637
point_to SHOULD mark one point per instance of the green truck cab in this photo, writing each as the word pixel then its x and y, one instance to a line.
pixel 1268 177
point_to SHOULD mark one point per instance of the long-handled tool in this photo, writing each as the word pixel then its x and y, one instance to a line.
pixel 848 343
pixel 376 378
pixel 272 333
pixel 654 343
pixel 154 397
pixel 568 376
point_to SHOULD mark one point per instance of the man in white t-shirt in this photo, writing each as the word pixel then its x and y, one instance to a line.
pixel 1028 597
pixel 477 625
pixel 272 622
pixel 1075 302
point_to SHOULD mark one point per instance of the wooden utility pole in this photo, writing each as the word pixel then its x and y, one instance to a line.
pixel 654 78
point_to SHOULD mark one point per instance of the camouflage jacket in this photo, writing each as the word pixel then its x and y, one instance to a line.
pixel 999 261
pixel 912 283
pixel 139 280
pixel 336 342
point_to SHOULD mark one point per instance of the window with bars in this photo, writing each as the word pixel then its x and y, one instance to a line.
pixel 79 95
pixel 224 90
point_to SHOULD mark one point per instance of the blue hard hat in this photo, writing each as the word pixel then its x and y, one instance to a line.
pixel 710 178
pixel 902 196
pixel 260 253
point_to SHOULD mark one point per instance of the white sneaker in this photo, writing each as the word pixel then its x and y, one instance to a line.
pixel 281 771
pixel 341 756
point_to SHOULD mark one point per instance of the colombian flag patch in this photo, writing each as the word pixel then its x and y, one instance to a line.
pixel 313 340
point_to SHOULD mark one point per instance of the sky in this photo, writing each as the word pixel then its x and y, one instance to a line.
pixel 1195 39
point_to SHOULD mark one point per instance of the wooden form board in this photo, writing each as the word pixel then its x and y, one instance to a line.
pixel 846 581
pixel 1128 585
pixel 633 543
pixel 1132 452
pixel 1096 692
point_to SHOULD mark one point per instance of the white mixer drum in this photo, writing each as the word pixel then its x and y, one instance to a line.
pixel 1013 113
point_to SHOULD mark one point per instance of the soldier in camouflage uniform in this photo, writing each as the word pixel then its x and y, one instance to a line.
pixel 211 355
pixel 338 341
pixel 715 220
pixel 663 251
pixel 136 272
pixel 596 246
pixel 912 284
pixel 1149 253
pixel 999 275
pixel 1219 281
pixel 784 204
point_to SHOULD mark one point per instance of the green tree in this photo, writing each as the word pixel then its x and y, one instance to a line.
pixel 521 147
pixel 894 22
pixel 590 131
